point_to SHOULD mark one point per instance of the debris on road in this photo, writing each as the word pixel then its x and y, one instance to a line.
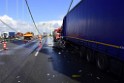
pixel 19 81
pixel 48 74
pixel 18 77
pixel 76 76
pixel 59 53
pixel 80 71
pixel 98 78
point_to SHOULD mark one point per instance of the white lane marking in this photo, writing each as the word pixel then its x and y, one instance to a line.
pixel 36 53
pixel 40 46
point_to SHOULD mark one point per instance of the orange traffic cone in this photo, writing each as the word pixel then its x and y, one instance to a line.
pixel 4 45
pixel 40 45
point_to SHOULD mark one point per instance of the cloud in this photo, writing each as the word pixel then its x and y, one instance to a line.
pixel 49 26
pixel 22 26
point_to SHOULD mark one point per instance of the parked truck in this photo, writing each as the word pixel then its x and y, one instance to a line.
pixel 11 34
pixel 97 28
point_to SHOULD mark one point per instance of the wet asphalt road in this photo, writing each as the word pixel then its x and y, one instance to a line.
pixel 36 63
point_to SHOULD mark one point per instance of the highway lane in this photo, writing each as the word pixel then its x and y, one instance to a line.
pixel 9 45
pixel 41 63
pixel 39 69
pixel 50 65
pixel 11 59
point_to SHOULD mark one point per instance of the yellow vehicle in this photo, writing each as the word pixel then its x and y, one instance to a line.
pixel 28 35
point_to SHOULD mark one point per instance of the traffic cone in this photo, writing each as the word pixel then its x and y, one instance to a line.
pixel 40 45
pixel 4 45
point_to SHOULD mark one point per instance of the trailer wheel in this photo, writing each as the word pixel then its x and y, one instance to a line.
pixel 102 61
pixel 90 56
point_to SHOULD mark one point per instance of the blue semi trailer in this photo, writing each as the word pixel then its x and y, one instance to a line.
pixel 97 28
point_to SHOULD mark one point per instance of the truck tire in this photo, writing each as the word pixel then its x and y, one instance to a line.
pixel 90 55
pixel 102 62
